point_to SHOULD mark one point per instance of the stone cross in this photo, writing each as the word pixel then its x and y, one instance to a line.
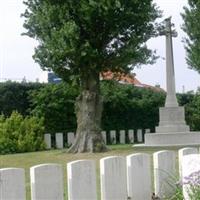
pixel 171 100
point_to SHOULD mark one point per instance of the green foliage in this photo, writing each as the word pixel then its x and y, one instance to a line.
pixel 185 98
pixel 178 194
pixel 15 96
pixel 128 107
pixel 80 37
pixel 191 102
pixel 125 106
pixel 55 104
pixel 18 134
pixel 191 26
pixel 193 113
pixel 194 192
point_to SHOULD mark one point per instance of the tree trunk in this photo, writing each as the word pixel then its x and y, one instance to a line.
pixel 88 112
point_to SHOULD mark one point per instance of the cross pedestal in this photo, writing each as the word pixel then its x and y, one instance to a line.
pixel 172 129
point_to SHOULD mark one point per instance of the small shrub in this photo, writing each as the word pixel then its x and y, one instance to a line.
pixel 18 134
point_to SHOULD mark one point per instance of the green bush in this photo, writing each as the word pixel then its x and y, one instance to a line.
pixel 18 134
pixel 193 113
pixel 55 104
pixel 128 107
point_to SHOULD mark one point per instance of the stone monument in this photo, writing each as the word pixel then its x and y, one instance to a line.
pixel 172 129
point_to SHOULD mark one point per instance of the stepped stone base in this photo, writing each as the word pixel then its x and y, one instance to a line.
pixel 172 130
pixel 172 119
pixel 172 139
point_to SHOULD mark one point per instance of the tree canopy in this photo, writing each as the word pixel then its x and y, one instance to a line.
pixel 191 26
pixel 76 36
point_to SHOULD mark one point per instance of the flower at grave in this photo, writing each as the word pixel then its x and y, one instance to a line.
pixel 192 182
pixel 193 179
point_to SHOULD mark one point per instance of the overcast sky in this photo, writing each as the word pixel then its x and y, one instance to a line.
pixel 16 51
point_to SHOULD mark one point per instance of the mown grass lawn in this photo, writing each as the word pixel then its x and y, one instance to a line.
pixel 27 160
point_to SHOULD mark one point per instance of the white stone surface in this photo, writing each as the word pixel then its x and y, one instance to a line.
pixel 59 140
pixel 172 139
pixel 139 135
pixel 103 133
pixel 113 138
pixel 171 100
pixel 81 180
pixel 139 176
pixel 113 178
pixel 122 136
pixel 164 173
pixel 47 140
pixel 46 182
pixel 12 184
pixel 70 138
pixel 190 165
pixel 131 136
pixel 172 119
pixel 182 152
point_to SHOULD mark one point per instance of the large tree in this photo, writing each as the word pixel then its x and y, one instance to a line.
pixel 78 39
pixel 191 17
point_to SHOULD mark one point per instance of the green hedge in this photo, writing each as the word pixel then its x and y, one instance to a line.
pixel 125 106
pixel 15 96
pixel 55 104
pixel 18 134
pixel 193 113
pixel 128 107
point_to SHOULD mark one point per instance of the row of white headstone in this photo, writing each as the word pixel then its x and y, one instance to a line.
pixel 120 178
pixel 113 138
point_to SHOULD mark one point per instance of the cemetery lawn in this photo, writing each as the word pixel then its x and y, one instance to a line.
pixel 27 160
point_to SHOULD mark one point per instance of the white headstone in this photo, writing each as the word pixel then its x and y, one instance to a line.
pixel 47 140
pixel 70 138
pixel 12 184
pixel 183 152
pixel 164 173
pixel 190 174
pixel 103 133
pixel 113 178
pixel 122 137
pixel 113 139
pixel 139 177
pixel 81 177
pixel 59 140
pixel 139 135
pixel 131 136
pixel 46 182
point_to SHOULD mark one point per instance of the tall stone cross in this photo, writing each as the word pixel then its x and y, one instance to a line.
pixel 171 100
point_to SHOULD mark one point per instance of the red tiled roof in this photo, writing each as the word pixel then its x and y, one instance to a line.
pixel 127 79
